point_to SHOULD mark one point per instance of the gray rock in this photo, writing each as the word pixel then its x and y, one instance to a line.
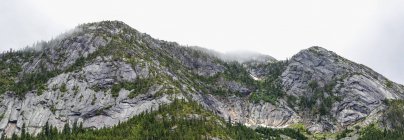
pixel 360 89
pixel 254 115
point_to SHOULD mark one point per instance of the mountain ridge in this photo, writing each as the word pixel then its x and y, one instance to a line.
pixel 107 72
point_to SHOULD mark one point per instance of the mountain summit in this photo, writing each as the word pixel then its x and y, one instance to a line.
pixel 105 73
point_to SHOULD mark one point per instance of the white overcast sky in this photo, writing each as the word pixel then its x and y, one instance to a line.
pixel 370 32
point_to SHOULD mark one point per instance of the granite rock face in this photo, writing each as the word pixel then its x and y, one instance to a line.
pixel 85 94
pixel 361 89
pixel 81 103
pixel 251 114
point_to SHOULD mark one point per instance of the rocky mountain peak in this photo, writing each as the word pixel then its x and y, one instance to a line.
pixel 335 86
pixel 316 55
pixel 103 73
pixel 111 26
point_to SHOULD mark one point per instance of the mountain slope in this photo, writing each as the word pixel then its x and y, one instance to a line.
pixel 104 73
pixel 329 85
pixel 179 120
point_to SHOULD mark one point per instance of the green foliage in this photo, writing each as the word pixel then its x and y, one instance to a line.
pixel 326 105
pixel 300 127
pixel 344 134
pixel 53 109
pixel 79 63
pixel 31 81
pixel 66 129
pixel 357 127
pixel 389 84
pixel 330 86
pixel 63 87
pixel 313 85
pixel 115 89
pixel 24 134
pixel 209 85
pixel 96 88
pixel 140 86
pixel 236 72
pixel 270 88
pixel 41 89
pixel 291 100
pixel 54 88
pixel 395 114
pixel 269 133
pixel 11 71
pixel 318 103
pixel 306 102
pixel 373 132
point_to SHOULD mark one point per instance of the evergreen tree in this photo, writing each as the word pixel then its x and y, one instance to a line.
pixel 229 120
pixel 14 137
pixel 3 136
pixel 23 132
pixel 66 129
pixel 47 130
pixel 75 128
pixel 81 129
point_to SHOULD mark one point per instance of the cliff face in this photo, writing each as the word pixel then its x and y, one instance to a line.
pixel 355 92
pixel 106 72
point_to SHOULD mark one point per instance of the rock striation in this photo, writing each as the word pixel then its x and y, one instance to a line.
pixel 99 66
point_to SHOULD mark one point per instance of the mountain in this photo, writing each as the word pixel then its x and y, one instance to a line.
pixel 108 76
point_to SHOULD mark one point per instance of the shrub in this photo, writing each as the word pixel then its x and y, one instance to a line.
pixel 63 87
pixel 115 90
pixel 389 84
pixel 313 85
